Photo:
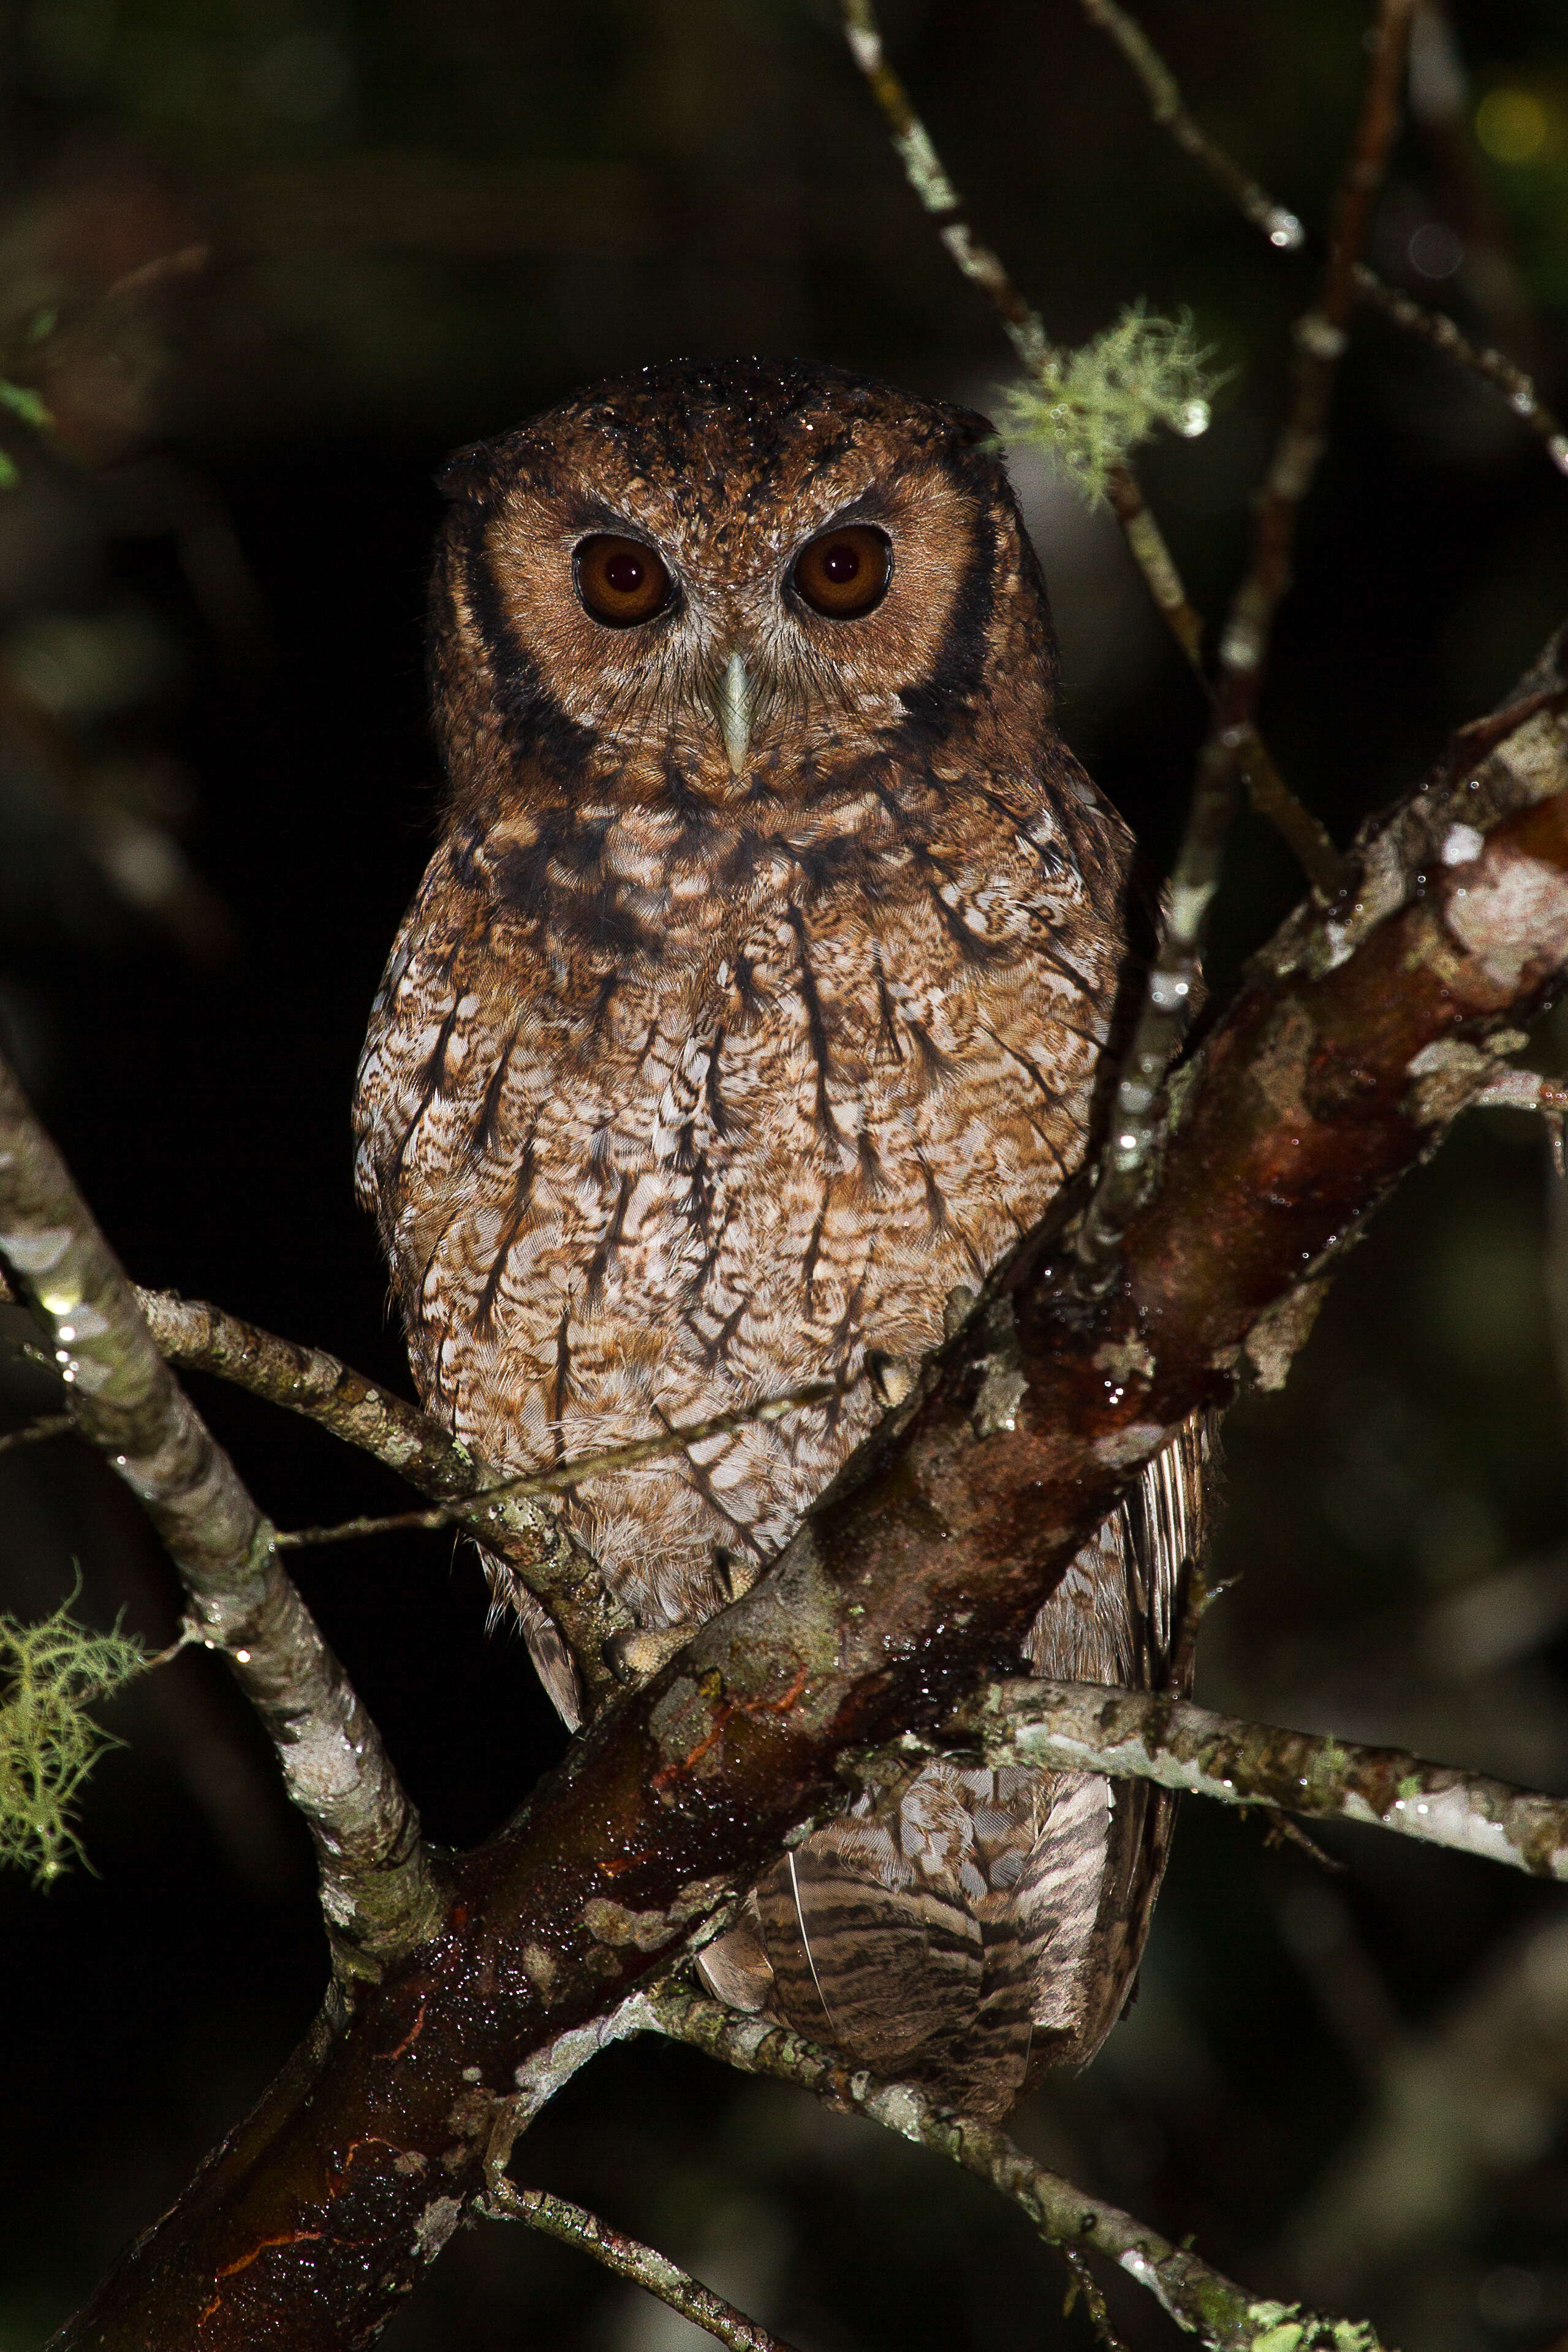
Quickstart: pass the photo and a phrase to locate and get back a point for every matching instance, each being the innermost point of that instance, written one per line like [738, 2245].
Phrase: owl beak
[734, 707]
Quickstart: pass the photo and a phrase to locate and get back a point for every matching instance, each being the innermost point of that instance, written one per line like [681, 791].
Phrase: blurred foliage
[264, 261]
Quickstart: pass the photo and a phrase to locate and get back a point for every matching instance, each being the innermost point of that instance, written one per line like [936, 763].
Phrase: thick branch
[1357, 1040]
[377, 1892]
[1145, 1736]
[1222, 2315]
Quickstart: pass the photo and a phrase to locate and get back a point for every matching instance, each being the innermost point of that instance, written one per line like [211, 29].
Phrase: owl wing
[984, 1924]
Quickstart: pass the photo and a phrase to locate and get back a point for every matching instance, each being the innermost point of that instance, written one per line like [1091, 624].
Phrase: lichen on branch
[1091, 407]
[51, 1674]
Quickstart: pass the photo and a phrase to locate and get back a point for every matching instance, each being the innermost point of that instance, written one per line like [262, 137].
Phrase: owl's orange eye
[846, 572]
[621, 581]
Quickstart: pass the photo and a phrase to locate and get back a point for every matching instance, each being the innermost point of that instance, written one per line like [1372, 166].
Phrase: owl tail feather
[983, 1924]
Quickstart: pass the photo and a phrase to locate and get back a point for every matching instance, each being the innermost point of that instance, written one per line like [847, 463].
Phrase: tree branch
[35, 1432]
[378, 1895]
[1170, 111]
[645, 2266]
[1171, 991]
[469, 1494]
[1284, 231]
[1026, 331]
[1148, 1736]
[1436, 328]
[563, 1477]
[1359, 1036]
[1222, 2315]
[498, 1511]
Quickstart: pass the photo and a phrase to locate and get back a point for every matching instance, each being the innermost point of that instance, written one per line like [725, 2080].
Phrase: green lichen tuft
[1091, 407]
[49, 1675]
[1286, 2328]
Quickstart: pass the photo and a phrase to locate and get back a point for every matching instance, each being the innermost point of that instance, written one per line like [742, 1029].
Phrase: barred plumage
[753, 1003]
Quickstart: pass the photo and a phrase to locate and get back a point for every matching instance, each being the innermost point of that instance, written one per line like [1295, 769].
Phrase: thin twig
[1026, 330]
[564, 1475]
[1222, 2315]
[928, 178]
[1171, 993]
[1148, 1736]
[628, 2258]
[1169, 109]
[53, 1424]
[1435, 327]
[1284, 231]
[501, 1513]
[377, 1894]
[1081, 2281]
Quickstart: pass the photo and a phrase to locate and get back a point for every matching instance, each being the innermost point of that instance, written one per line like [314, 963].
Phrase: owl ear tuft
[970, 429]
[467, 473]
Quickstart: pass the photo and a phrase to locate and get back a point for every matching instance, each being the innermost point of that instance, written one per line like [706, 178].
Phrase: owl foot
[632, 1657]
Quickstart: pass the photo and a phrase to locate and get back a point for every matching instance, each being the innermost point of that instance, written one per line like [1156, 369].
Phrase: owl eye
[846, 572]
[621, 581]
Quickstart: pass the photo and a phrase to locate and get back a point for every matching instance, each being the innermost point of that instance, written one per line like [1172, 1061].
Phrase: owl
[753, 1006]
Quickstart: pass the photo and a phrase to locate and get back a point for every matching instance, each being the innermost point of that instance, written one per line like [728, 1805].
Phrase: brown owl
[750, 1008]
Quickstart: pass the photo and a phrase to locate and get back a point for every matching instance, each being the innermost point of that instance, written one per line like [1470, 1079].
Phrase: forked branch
[1359, 1034]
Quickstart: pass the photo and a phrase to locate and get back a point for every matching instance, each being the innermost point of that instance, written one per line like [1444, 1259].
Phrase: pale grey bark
[1222, 2315]
[377, 1892]
[1146, 1736]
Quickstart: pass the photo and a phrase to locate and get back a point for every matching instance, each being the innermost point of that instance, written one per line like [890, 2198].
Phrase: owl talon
[632, 1657]
[892, 1377]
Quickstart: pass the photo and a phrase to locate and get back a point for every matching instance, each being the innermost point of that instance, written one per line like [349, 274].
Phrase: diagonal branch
[1172, 990]
[1171, 112]
[1435, 327]
[628, 2258]
[199, 1337]
[1222, 2315]
[1148, 1736]
[308, 1380]
[378, 1895]
[676, 1437]
[1357, 1039]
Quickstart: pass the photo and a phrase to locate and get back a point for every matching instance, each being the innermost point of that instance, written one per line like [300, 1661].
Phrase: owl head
[734, 582]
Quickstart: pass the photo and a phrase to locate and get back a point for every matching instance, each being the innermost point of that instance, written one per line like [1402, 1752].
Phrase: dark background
[422, 222]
